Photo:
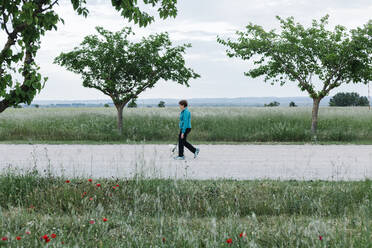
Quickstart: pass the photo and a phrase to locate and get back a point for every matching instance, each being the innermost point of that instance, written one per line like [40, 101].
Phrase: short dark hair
[183, 103]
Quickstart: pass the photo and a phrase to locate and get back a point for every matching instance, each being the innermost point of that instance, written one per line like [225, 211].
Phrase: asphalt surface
[284, 162]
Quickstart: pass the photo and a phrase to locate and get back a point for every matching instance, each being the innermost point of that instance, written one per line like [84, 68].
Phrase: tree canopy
[25, 22]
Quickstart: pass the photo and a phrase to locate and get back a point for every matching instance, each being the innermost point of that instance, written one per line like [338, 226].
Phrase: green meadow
[210, 124]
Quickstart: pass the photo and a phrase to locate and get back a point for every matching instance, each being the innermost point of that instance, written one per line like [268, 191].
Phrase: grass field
[182, 213]
[214, 124]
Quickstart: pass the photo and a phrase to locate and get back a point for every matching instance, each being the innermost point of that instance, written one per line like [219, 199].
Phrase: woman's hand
[182, 135]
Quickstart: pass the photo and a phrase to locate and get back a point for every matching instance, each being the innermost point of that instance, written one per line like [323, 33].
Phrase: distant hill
[241, 101]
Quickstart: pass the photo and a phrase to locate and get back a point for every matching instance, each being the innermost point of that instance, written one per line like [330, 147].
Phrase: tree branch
[50, 6]
[5, 103]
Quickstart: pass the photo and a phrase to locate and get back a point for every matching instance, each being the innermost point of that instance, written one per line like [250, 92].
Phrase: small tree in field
[132, 104]
[292, 104]
[23, 23]
[161, 104]
[304, 55]
[272, 104]
[122, 69]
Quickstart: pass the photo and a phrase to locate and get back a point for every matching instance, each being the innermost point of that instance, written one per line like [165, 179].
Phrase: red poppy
[18, 238]
[242, 234]
[229, 241]
[4, 238]
[98, 185]
[47, 240]
[91, 199]
[104, 219]
[90, 180]
[92, 222]
[114, 187]
[45, 237]
[320, 237]
[53, 235]
[117, 185]
[163, 239]
[67, 181]
[28, 232]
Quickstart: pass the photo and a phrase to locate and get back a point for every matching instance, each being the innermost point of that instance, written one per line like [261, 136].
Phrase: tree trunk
[119, 108]
[314, 121]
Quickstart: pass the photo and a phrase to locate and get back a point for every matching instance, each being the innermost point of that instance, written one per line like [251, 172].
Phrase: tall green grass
[235, 124]
[183, 213]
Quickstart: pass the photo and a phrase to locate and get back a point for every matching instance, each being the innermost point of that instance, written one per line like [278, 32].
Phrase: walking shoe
[197, 150]
[179, 158]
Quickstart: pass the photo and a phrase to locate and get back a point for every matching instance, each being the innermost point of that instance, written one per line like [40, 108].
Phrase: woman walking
[185, 129]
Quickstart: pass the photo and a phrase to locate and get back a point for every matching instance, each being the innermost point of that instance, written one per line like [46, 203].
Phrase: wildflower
[90, 198]
[92, 222]
[4, 238]
[18, 238]
[163, 239]
[114, 187]
[53, 235]
[45, 237]
[98, 185]
[90, 180]
[28, 232]
[242, 234]
[117, 185]
[229, 241]
[67, 181]
[320, 237]
[104, 219]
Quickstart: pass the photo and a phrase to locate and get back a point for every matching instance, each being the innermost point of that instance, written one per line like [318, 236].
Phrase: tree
[292, 104]
[25, 22]
[132, 104]
[122, 69]
[348, 99]
[363, 101]
[161, 104]
[305, 55]
[272, 104]
[106, 105]
[37, 106]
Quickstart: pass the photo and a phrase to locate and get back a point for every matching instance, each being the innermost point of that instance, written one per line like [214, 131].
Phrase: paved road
[303, 162]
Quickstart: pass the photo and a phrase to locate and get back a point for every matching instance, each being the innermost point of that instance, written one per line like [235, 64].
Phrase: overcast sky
[198, 22]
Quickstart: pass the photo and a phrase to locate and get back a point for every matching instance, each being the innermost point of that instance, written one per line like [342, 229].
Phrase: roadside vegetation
[38, 210]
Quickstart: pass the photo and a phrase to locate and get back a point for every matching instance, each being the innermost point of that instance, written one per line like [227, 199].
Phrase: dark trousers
[183, 142]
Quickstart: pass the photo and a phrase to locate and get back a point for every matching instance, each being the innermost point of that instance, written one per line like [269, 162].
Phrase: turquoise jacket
[185, 120]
